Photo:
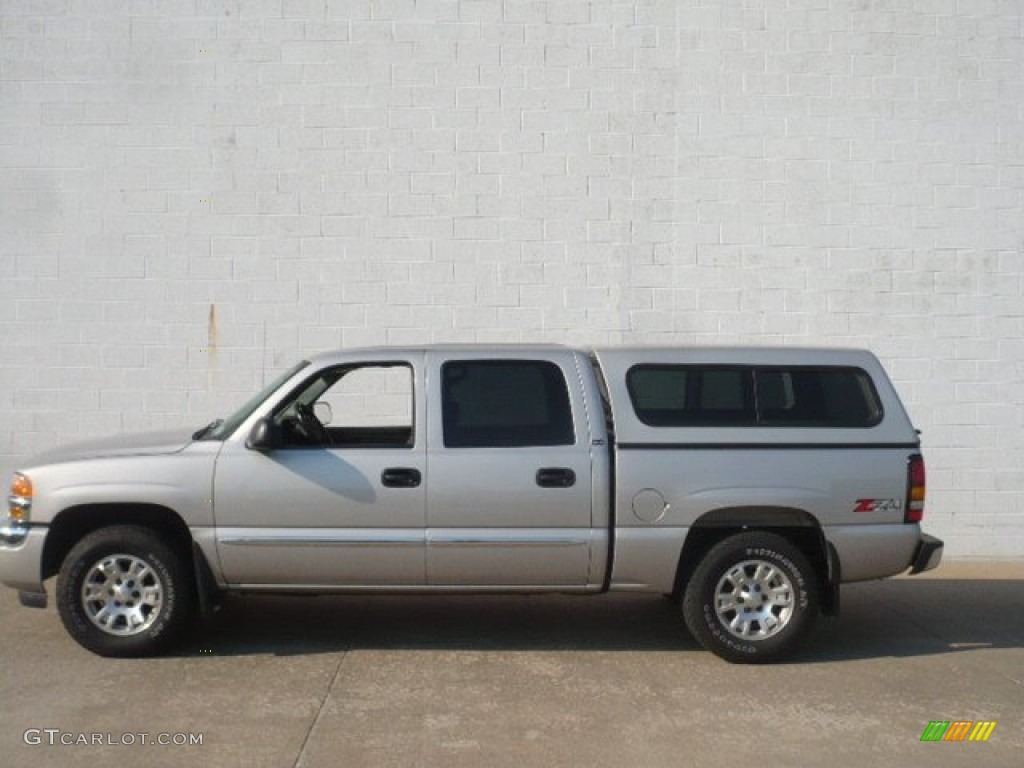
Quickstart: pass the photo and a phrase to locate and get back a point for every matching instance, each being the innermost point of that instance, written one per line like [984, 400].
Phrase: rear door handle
[400, 477]
[556, 477]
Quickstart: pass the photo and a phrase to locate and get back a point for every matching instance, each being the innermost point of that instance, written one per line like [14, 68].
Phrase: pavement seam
[894, 608]
[320, 709]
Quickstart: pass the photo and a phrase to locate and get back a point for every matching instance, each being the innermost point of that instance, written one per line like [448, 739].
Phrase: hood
[145, 444]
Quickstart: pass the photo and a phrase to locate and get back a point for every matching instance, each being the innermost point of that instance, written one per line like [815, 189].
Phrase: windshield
[230, 424]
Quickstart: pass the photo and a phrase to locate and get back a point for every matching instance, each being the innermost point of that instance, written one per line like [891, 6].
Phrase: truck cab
[471, 469]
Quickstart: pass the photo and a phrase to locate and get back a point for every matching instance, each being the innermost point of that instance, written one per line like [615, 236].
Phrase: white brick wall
[330, 172]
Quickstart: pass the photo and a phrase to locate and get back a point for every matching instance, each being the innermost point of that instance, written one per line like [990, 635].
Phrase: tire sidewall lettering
[715, 626]
[167, 609]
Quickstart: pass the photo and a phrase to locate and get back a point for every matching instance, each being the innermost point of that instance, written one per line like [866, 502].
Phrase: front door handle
[400, 477]
[556, 477]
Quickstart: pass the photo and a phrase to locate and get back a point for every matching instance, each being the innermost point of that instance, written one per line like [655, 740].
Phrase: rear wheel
[123, 592]
[752, 598]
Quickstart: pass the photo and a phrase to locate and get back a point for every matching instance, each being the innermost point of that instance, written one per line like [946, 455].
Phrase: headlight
[19, 503]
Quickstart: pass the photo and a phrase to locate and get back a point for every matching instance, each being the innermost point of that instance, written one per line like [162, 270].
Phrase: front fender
[182, 482]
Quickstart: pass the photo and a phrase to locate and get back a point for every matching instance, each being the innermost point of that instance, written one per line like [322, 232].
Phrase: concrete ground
[531, 681]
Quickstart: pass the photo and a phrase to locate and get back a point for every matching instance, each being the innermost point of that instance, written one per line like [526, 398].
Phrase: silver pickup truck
[745, 483]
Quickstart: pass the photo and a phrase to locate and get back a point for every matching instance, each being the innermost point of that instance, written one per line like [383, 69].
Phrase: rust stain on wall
[211, 331]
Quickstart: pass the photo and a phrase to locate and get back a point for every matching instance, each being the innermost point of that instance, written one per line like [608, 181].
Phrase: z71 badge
[878, 505]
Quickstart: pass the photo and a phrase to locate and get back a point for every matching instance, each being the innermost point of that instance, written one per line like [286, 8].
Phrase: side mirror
[264, 436]
[322, 411]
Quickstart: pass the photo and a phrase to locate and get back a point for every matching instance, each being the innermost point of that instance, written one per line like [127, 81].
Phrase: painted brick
[588, 172]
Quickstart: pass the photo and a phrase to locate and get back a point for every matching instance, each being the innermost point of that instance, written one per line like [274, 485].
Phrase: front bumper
[928, 554]
[21, 560]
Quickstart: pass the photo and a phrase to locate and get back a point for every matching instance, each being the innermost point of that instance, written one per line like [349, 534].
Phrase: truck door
[340, 500]
[509, 498]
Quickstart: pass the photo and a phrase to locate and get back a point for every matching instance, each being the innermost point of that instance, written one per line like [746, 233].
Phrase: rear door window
[505, 404]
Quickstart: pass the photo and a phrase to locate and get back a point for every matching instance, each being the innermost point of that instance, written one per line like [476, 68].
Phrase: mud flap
[32, 599]
[206, 585]
[830, 582]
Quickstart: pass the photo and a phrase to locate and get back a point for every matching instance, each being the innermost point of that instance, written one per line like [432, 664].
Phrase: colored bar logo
[958, 730]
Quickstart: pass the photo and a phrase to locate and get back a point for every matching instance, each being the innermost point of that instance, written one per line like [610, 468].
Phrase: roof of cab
[737, 354]
[448, 348]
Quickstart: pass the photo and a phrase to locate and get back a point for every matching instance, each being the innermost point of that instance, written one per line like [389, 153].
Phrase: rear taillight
[915, 489]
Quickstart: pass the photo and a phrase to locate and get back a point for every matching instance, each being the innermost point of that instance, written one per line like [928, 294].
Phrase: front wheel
[123, 592]
[752, 598]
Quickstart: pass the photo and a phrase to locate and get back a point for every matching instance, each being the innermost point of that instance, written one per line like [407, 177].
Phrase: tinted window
[505, 404]
[817, 397]
[691, 396]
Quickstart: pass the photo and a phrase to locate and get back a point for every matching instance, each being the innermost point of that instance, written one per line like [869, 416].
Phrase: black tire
[139, 596]
[727, 588]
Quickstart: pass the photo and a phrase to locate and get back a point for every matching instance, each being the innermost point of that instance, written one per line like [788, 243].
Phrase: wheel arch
[75, 522]
[796, 525]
